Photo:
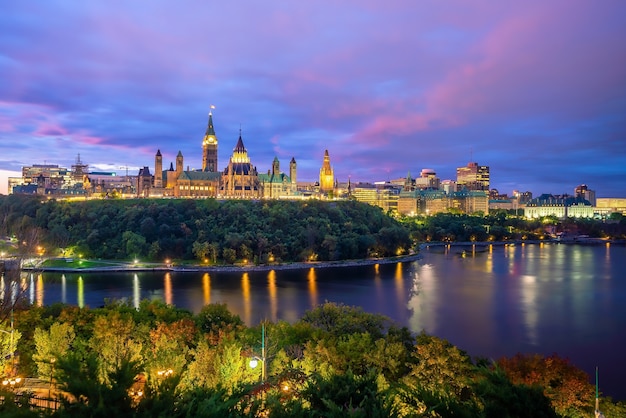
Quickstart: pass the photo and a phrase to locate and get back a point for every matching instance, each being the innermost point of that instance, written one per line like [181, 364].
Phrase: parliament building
[239, 179]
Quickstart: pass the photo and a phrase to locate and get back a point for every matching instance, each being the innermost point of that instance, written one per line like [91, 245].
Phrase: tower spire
[209, 146]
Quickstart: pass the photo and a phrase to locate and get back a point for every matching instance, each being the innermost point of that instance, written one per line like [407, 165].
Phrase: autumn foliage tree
[566, 386]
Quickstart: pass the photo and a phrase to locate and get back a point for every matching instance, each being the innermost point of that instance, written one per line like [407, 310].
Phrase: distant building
[448, 186]
[382, 194]
[522, 197]
[276, 184]
[209, 148]
[470, 201]
[559, 206]
[423, 202]
[431, 202]
[79, 171]
[427, 180]
[608, 205]
[327, 175]
[473, 177]
[108, 183]
[144, 182]
[584, 192]
[240, 178]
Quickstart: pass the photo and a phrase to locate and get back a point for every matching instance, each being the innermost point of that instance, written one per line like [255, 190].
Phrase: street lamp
[52, 361]
[254, 361]
[12, 382]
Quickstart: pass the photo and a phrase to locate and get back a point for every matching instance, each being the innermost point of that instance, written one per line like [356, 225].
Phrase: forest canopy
[214, 231]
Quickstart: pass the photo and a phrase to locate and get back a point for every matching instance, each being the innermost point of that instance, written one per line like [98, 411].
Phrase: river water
[490, 301]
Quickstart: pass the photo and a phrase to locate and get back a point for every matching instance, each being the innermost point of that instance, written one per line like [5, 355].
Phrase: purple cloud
[535, 90]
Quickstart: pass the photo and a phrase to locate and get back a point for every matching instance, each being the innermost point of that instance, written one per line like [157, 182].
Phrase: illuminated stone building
[327, 175]
[178, 182]
[240, 178]
[197, 184]
[473, 177]
[470, 201]
[276, 184]
[209, 148]
[559, 206]
[144, 182]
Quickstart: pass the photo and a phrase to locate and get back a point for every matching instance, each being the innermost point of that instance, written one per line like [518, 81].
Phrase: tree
[115, 340]
[216, 317]
[135, 244]
[89, 394]
[200, 250]
[229, 255]
[51, 345]
[566, 386]
[341, 320]
[439, 366]
[8, 346]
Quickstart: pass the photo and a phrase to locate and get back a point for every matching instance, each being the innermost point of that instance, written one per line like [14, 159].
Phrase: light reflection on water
[491, 301]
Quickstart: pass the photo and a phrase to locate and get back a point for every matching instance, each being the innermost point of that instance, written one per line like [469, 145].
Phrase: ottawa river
[490, 301]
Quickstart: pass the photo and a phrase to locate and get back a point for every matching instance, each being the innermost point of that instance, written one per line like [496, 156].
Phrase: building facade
[276, 184]
[327, 175]
[473, 177]
[209, 148]
[558, 206]
[240, 178]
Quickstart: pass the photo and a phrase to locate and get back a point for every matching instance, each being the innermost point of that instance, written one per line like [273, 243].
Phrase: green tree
[200, 250]
[135, 244]
[51, 345]
[439, 366]
[229, 255]
[116, 340]
[9, 339]
[341, 320]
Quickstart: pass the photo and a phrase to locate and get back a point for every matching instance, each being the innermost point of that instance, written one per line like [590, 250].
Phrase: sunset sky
[534, 89]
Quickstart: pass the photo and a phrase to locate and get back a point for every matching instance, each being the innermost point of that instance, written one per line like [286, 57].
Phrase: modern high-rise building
[209, 148]
[427, 180]
[583, 191]
[473, 177]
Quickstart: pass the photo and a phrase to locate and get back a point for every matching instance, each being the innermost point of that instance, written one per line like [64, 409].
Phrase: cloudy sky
[534, 89]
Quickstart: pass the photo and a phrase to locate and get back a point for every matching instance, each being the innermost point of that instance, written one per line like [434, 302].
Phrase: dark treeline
[502, 226]
[335, 361]
[215, 231]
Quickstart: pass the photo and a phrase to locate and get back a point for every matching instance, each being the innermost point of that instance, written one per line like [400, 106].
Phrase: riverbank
[121, 266]
[124, 267]
[575, 241]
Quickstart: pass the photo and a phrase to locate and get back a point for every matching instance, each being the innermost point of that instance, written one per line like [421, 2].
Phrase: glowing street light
[12, 382]
[165, 373]
[254, 361]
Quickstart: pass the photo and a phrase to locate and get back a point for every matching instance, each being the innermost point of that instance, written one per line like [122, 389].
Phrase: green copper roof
[209, 129]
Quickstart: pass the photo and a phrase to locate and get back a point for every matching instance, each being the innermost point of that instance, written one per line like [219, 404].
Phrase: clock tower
[209, 148]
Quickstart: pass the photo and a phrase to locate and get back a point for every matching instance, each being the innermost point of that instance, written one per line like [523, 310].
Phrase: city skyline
[535, 91]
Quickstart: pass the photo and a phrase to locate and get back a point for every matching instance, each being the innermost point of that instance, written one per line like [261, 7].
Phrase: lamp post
[255, 360]
[52, 361]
